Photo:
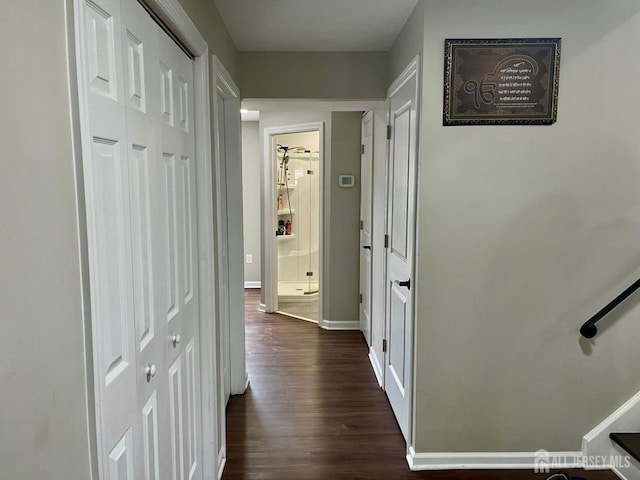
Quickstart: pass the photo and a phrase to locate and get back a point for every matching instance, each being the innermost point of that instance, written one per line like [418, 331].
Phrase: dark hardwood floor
[313, 410]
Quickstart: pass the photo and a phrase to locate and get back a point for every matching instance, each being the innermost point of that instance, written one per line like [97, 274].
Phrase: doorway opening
[293, 170]
[297, 159]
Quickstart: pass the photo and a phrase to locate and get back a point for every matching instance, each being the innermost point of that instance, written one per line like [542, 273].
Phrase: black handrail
[589, 329]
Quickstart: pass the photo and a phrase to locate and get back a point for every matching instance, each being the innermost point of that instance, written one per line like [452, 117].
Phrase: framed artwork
[501, 81]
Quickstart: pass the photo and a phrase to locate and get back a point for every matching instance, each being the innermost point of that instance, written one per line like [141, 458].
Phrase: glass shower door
[313, 247]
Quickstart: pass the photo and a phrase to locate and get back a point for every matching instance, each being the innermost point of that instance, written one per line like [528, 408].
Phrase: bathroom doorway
[294, 160]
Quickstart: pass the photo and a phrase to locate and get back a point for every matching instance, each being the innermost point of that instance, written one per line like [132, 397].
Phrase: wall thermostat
[347, 181]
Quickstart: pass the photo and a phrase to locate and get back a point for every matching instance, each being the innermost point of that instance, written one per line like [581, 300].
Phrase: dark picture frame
[510, 81]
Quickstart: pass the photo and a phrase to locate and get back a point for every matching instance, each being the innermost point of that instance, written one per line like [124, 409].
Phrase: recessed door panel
[166, 93]
[170, 232]
[190, 426]
[101, 46]
[187, 228]
[400, 186]
[183, 89]
[397, 335]
[150, 439]
[177, 420]
[142, 247]
[136, 83]
[112, 263]
[121, 465]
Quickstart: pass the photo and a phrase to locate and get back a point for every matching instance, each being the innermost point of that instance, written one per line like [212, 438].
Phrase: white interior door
[140, 192]
[366, 225]
[403, 152]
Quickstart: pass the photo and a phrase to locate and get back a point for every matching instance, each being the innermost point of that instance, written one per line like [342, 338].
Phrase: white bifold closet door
[140, 196]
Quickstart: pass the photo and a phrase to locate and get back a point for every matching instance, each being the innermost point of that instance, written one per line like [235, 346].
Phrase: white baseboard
[297, 317]
[375, 364]
[262, 308]
[340, 324]
[251, 284]
[491, 460]
[313, 297]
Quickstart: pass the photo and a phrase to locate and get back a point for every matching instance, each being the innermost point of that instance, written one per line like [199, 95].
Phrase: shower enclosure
[298, 216]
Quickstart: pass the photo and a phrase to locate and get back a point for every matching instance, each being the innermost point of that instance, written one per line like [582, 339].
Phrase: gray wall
[332, 75]
[43, 425]
[409, 42]
[524, 233]
[209, 23]
[251, 160]
[343, 262]
[341, 208]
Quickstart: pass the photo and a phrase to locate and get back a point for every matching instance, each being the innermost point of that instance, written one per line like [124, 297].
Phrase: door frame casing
[379, 229]
[270, 274]
[367, 117]
[224, 84]
[176, 19]
[410, 71]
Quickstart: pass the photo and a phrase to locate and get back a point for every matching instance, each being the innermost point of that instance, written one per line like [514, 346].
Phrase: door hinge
[388, 132]
[360, 298]
[309, 274]
[362, 149]
[384, 345]
[361, 224]
[386, 241]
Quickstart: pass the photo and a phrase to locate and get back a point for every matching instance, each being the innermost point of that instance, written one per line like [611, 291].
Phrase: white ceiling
[314, 25]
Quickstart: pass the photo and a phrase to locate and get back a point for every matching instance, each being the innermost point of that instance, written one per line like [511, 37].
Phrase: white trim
[269, 274]
[488, 460]
[340, 324]
[297, 317]
[375, 365]
[262, 308]
[597, 442]
[235, 314]
[306, 104]
[76, 95]
[252, 284]
[299, 298]
[172, 13]
[417, 65]
[206, 259]
[625, 419]
[406, 75]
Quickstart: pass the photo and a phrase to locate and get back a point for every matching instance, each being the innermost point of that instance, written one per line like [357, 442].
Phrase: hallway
[313, 410]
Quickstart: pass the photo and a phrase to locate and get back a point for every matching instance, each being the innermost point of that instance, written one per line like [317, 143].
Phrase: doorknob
[176, 339]
[406, 283]
[150, 371]
[367, 247]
